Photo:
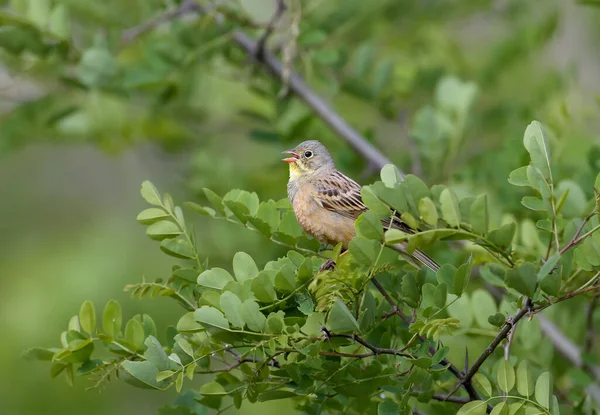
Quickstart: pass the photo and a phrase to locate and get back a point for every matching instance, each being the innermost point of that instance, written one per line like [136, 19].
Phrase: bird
[326, 202]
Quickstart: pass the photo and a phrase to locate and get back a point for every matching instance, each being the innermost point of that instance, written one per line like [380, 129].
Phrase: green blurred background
[69, 181]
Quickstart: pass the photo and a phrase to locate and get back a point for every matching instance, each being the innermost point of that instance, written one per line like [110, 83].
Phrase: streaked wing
[339, 193]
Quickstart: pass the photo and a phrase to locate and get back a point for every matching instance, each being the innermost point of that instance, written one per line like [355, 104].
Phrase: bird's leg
[329, 265]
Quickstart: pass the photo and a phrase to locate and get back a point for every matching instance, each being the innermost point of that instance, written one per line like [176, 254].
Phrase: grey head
[308, 158]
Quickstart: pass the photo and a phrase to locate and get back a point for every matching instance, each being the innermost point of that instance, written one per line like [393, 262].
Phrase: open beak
[292, 159]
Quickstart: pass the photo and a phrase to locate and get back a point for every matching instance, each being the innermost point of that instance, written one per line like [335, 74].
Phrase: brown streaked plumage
[327, 202]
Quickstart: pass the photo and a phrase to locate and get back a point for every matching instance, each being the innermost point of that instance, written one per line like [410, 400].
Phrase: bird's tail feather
[420, 256]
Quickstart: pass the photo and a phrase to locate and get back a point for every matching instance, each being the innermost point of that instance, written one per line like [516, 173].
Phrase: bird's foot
[328, 265]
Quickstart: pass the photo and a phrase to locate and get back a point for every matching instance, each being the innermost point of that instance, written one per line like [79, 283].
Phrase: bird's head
[308, 158]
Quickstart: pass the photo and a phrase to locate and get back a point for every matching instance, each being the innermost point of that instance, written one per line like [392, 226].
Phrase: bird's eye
[308, 154]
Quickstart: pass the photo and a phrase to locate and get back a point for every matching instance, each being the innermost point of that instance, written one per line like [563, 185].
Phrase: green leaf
[410, 291]
[275, 394]
[144, 372]
[112, 318]
[187, 324]
[525, 385]
[501, 408]
[371, 201]
[523, 279]
[178, 248]
[534, 203]
[263, 287]
[550, 282]
[254, 318]
[364, 250]
[483, 307]
[87, 317]
[165, 374]
[440, 295]
[537, 146]
[388, 407]
[368, 314]
[473, 408]
[156, 354]
[497, 320]
[362, 59]
[428, 211]
[311, 37]
[575, 201]
[506, 376]
[151, 215]
[449, 208]
[503, 236]
[483, 384]
[548, 266]
[285, 280]
[275, 323]
[215, 278]
[461, 309]
[518, 177]
[543, 389]
[37, 353]
[382, 76]
[185, 345]
[163, 229]
[368, 225]
[134, 333]
[462, 277]
[340, 319]
[215, 201]
[232, 308]
[446, 275]
[179, 382]
[390, 176]
[268, 213]
[202, 210]
[150, 193]
[597, 183]
[210, 318]
[212, 389]
[478, 215]
[244, 266]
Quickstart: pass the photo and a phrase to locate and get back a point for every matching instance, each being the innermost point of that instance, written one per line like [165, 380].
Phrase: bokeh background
[183, 107]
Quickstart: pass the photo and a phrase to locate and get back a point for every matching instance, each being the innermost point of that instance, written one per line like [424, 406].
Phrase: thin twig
[508, 326]
[187, 7]
[375, 351]
[444, 362]
[262, 41]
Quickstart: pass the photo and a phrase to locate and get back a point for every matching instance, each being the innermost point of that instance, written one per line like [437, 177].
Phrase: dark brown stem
[262, 41]
[541, 307]
[444, 362]
[375, 351]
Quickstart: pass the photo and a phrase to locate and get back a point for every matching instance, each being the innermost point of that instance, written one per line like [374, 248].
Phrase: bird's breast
[323, 224]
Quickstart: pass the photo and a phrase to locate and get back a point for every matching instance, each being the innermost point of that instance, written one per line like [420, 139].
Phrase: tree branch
[504, 333]
[256, 50]
[445, 362]
[375, 351]
[316, 103]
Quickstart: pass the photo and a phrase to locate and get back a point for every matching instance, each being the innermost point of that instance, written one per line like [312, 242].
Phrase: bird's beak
[292, 159]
